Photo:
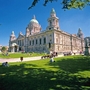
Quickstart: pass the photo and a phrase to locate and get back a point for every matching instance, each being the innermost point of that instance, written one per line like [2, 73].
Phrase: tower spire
[53, 10]
[12, 37]
[53, 13]
[12, 33]
[53, 21]
[80, 33]
[34, 17]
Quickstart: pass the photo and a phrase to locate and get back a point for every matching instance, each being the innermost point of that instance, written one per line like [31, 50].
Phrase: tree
[67, 4]
[4, 49]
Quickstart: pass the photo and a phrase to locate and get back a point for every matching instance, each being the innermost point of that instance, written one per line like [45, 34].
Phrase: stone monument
[87, 47]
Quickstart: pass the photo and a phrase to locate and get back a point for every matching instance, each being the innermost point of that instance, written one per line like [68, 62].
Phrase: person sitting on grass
[52, 60]
[7, 54]
[5, 64]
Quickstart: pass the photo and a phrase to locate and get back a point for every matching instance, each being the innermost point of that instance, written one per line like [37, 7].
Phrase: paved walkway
[24, 59]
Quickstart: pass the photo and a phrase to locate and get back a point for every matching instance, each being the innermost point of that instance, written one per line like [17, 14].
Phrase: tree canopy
[4, 49]
[66, 4]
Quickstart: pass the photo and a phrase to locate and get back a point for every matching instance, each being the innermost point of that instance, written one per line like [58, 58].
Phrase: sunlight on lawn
[66, 73]
[18, 55]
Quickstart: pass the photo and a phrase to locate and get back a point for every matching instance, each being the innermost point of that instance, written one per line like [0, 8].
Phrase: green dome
[53, 11]
[12, 32]
[33, 21]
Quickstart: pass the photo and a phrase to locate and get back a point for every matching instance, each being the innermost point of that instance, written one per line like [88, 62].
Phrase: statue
[87, 51]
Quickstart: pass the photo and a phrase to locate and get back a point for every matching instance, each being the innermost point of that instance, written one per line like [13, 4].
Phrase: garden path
[24, 59]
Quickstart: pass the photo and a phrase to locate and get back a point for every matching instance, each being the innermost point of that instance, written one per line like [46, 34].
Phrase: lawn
[18, 55]
[66, 73]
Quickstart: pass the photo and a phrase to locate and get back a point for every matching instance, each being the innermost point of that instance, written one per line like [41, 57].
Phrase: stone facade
[52, 39]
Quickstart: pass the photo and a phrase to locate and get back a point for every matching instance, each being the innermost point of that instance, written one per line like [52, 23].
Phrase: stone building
[52, 39]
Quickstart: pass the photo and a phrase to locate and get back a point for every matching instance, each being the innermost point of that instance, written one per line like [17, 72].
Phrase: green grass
[66, 73]
[18, 55]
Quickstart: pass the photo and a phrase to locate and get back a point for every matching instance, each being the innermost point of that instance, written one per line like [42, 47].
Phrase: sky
[15, 16]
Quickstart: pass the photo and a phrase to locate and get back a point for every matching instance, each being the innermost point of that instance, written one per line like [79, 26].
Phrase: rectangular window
[36, 41]
[44, 41]
[40, 40]
[49, 45]
[33, 42]
[22, 42]
[18, 42]
[30, 43]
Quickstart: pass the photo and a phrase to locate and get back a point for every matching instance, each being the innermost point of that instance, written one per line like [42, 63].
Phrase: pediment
[20, 36]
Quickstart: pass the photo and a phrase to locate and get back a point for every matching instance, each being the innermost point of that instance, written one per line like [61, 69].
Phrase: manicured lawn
[66, 73]
[18, 55]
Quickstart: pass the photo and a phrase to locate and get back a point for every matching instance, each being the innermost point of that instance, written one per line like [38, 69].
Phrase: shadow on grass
[20, 77]
[72, 65]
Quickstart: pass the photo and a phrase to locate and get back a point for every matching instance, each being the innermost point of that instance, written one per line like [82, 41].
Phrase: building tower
[33, 27]
[12, 37]
[80, 34]
[53, 21]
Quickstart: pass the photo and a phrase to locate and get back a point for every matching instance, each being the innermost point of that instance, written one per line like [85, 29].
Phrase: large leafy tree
[66, 4]
[4, 49]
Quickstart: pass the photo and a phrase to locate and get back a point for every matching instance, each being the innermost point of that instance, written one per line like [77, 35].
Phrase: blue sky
[15, 16]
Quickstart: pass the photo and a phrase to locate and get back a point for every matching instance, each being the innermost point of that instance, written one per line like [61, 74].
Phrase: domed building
[33, 27]
[52, 39]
